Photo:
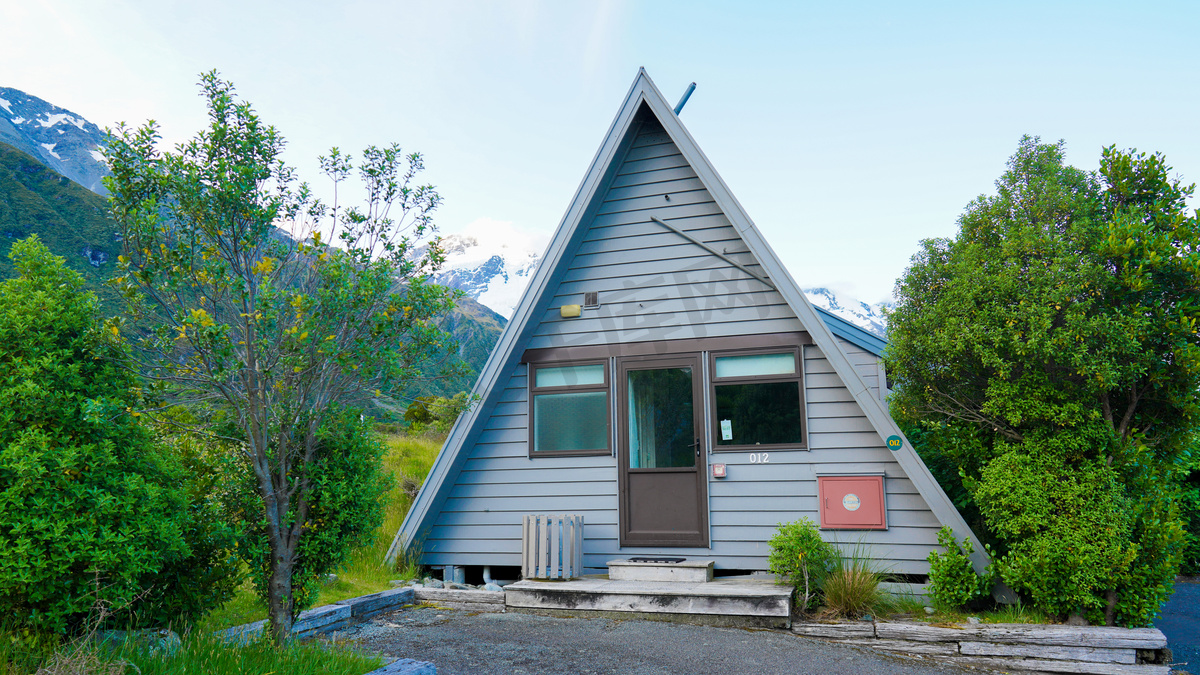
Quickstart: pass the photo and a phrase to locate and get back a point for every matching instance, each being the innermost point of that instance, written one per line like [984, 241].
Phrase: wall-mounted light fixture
[570, 311]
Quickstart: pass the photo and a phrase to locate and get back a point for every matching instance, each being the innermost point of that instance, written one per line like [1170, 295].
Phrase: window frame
[532, 391]
[797, 377]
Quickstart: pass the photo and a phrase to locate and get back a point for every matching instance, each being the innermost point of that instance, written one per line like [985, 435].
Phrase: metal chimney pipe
[686, 95]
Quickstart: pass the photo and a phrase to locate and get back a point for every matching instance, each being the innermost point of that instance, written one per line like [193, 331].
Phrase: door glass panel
[662, 429]
[752, 365]
[569, 422]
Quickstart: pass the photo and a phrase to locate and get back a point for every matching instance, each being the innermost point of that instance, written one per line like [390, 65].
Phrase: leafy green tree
[265, 332]
[91, 512]
[344, 511]
[1051, 350]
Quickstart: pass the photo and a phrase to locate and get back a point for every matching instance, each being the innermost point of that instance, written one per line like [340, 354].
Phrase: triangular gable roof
[506, 354]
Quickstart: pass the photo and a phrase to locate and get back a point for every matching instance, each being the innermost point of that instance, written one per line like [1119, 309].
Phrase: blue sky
[849, 131]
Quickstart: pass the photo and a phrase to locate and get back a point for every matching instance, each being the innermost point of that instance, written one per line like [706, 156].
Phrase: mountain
[42, 192]
[56, 137]
[496, 275]
[493, 265]
[71, 221]
[857, 312]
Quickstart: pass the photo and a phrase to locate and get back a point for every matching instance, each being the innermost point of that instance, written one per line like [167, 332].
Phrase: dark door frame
[700, 467]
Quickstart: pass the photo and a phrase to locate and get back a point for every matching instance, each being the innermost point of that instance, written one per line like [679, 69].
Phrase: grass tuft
[852, 590]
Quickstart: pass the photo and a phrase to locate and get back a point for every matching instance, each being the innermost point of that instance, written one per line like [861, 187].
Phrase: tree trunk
[1110, 611]
[279, 593]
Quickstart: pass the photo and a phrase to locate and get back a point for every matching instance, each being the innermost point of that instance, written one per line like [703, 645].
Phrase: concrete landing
[757, 602]
[687, 571]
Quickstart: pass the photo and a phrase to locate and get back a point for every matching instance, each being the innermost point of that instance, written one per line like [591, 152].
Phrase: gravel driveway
[505, 644]
[1180, 622]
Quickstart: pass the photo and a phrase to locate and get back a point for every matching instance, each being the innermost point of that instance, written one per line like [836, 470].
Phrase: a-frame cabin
[659, 339]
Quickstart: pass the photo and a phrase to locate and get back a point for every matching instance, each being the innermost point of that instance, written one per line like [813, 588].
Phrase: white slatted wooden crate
[552, 546]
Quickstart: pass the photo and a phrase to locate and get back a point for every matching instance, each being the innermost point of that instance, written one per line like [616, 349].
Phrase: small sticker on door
[851, 502]
[727, 430]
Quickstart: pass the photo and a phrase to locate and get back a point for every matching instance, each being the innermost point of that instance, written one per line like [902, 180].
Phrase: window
[569, 409]
[758, 400]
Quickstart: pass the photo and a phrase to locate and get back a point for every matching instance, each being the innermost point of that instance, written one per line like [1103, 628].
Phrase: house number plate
[760, 458]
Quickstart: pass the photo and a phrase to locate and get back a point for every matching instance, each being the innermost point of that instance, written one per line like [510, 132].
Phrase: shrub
[952, 579]
[799, 555]
[187, 587]
[1078, 542]
[89, 508]
[345, 507]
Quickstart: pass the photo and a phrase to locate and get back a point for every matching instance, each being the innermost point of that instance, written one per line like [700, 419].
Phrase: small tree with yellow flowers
[272, 314]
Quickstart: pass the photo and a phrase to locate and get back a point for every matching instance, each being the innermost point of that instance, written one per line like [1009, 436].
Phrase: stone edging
[1009, 646]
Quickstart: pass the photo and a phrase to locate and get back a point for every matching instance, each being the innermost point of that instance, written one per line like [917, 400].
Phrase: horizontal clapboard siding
[867, 364]
[480, 521]
[655, 285]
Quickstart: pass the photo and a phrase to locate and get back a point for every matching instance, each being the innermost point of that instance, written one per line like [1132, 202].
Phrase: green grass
[364, 572]
[199, 654]
[203, 654]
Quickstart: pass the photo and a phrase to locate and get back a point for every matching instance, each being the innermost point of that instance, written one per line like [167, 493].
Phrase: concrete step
[757, 601]
[688, 571]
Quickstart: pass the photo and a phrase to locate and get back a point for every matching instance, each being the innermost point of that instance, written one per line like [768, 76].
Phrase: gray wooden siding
[869, 366]
[480, 522]
[654, 284]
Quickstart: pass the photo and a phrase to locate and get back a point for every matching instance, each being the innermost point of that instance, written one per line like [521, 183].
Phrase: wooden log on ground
[1048, 666]
[905, 646]
[481, 607]
[857, 629]
[1089, 654]
[366, 606]
[320, 620]
[1030, 634]
[451, 595]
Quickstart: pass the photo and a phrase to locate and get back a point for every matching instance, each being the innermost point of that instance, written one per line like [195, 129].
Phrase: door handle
[696, 445]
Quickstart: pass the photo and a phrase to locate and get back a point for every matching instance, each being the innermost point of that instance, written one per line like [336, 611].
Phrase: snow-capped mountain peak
[492, 261]
[56, 137]
[857, 312]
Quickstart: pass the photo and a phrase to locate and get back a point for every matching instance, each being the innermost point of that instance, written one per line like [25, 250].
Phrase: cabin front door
[663, 485]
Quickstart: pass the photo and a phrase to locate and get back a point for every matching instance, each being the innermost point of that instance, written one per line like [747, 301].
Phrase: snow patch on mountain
[50, 149]
[54, 118]
[7, 105]
[492, 261]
